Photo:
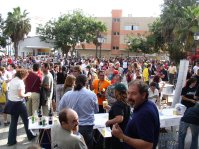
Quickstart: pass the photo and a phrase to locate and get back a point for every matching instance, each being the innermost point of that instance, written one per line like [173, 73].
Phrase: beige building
[115, 41]
[116, 38]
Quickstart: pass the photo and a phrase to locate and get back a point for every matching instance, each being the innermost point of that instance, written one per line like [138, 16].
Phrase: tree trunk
[65, 50]
[73, 51]
[16, 49]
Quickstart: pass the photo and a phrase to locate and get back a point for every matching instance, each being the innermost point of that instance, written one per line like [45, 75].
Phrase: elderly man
[84, 102]
[63, 135]
[142, 130]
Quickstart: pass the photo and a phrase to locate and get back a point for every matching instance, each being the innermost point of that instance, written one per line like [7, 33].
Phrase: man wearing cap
[142, 130]
[110, 92]
[119, 113]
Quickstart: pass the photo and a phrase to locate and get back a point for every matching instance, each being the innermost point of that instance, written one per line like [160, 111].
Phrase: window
[42, 53]
[132, 27]
[116, 33]
[113, 47]
[116, 19]
[117, 48]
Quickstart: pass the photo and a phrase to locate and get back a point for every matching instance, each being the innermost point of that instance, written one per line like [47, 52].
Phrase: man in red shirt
[33, 83]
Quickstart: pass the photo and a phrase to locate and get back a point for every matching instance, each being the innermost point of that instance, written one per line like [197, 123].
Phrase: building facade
[115, 41]
[34, 46]
[116, 38]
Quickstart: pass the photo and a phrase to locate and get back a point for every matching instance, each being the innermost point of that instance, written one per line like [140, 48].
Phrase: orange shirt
[102, 85]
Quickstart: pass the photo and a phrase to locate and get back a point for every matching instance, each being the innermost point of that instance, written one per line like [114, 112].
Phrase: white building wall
[29, 44]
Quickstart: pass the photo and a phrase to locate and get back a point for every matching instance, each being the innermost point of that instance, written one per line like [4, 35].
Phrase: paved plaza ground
[22, 139]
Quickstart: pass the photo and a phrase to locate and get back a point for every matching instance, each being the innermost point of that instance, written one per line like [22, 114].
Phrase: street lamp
[196, 39]
[78, 44]
[100, 40]
[9, 47]
[129, 43]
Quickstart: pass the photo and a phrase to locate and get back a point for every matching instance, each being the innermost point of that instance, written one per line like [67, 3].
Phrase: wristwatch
[121, 140]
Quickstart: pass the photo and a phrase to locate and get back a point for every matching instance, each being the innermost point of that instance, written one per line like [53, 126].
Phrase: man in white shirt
[172, 72]
[84, 65]
[117, 67]
[195, 68]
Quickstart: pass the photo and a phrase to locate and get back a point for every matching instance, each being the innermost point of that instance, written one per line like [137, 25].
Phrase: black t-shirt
[153, 69]
[191, 115]
[197, 77]
[120, 108]
[61, 77]
[53, 73]
[189, 93]
[197, 91]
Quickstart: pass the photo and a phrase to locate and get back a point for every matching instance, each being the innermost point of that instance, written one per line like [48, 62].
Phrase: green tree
[188, 27]
[69, 29]
[17, 25]
[138, 44]
[174, 30]
[2, 37]
[155, 38]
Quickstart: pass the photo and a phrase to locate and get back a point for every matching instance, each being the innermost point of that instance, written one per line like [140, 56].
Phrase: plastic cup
[105, 103]
[174, 112]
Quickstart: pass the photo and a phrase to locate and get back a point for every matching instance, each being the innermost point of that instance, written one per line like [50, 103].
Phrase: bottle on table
[50, 117]
[34, 117]
[40, 116]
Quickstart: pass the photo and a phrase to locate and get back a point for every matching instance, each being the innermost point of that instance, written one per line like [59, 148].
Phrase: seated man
[65, 135]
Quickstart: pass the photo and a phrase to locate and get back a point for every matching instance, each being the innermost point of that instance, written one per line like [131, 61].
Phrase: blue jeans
[22, 112]
[87, 133]
[183, 132]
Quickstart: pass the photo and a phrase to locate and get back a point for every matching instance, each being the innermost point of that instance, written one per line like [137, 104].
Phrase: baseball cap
[88, 66]
[120, 87]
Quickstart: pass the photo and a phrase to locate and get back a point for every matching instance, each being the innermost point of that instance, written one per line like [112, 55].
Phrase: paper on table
[105, 131]
[100, 120]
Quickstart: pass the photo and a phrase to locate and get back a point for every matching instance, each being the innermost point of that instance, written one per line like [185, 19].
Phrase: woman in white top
[16, 95]
[153, 93]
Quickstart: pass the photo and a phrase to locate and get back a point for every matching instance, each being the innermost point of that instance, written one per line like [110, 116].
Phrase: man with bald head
[64, 135]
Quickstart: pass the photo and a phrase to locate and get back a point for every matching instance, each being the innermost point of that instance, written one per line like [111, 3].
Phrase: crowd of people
[77, 89]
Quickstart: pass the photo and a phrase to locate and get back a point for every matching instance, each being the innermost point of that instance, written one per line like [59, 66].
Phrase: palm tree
[188, 26]
[17, 25]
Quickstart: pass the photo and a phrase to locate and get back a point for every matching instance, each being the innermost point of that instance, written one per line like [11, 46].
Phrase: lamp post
[8, 46]
[100, 40]
[196, 38]
[76, 52]
[129, 43]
